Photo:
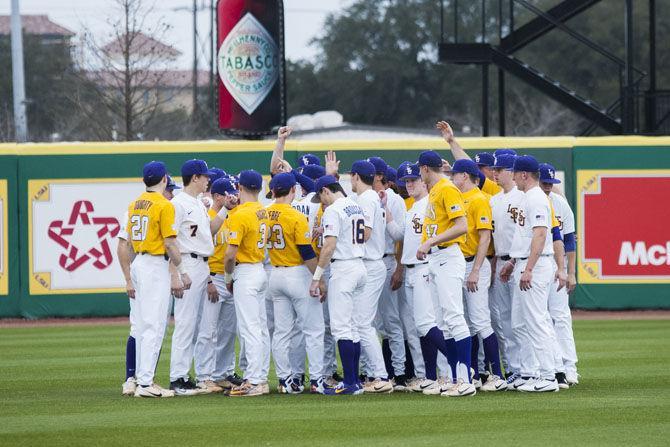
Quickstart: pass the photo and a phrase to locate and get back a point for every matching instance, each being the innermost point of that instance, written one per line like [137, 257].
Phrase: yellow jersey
[409, 202]
[150, 222]
[554, 221]
[478, 212]
[287, 228]
[445, 203]
[220, 244]
[247, 230]
[490, 187]
[317, 243]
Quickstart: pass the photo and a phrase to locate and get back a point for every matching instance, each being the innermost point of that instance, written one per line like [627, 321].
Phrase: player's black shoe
[562, 381]
[183, 387]
[400, 383]
[337, 377]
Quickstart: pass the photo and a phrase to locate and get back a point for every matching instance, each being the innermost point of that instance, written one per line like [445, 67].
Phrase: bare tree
[534, 114]
[121, 79]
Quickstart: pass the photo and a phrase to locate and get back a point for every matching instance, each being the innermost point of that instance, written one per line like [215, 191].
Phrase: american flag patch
[328, 227]
[455, 208]
[484, 219]
[232, 235]
[539, 217]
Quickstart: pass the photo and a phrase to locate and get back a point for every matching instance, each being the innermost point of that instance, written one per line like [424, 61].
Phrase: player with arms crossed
[343, 248]
[150, 227]
[126, 256]
[532, 273]
[246, 279]
[294, 262]
[444, 229]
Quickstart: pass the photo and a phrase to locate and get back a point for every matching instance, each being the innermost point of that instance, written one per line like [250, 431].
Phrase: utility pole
[19, 88]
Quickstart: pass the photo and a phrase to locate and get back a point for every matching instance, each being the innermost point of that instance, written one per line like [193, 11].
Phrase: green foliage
[62, 386]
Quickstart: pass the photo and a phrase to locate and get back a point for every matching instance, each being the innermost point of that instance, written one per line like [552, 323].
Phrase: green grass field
[61, 386]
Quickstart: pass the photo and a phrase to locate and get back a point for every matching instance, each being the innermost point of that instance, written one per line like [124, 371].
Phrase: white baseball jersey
[345, 220]
[123, 234]
[396, 205]
[192, 225]
[410, 228]
[505, 211]
[375, 218]
[308, 208]
[533, 212]
[563, 213]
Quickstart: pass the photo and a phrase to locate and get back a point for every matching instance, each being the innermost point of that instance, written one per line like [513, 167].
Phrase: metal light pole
[20, 124]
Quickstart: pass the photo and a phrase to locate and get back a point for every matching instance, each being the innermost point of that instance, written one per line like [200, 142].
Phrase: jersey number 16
[357, 231]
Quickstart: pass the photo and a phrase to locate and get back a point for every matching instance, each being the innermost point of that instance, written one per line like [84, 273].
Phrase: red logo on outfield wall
[625, 226]
[81, 220]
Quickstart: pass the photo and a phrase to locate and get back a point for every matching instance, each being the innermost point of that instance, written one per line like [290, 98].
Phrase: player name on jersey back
[344, 220]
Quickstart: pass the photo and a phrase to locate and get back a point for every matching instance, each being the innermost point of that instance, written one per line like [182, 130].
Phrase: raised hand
[332, 163]
[446, 130]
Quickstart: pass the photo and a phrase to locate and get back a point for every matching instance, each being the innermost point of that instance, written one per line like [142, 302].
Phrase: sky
[303, 21]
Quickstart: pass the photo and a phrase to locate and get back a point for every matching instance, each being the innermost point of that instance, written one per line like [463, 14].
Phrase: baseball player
[200, 303]
[444, 229]
[486, 183]
[362, 179]
[246, 279]
[126, 255]
[343, 248]
[224, 195]
[388, 313]
[465, 176]
[152, 236]
[420, 302]
[559, 308]
[532, 270]
[504, 209]
[294, 262]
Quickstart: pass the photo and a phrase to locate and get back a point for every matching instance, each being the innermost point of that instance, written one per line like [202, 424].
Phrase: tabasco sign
[623, 226]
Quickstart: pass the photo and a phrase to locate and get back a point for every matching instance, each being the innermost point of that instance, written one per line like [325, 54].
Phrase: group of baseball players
[434, 278]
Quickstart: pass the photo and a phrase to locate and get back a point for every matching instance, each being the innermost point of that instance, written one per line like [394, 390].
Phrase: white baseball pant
[447, 273]
[371, 348]
[477, 313]
[187, 314]
[226, 331]
[499, 304]
[411, 334]
[502, 293]
[249, 287]
[329, 343]
[151, 277]
[559, 311]
[345, 287]
[538, 336]
[389, 315]
[295, 308]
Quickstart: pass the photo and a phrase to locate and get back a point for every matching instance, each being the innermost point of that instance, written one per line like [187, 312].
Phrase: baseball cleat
[414, 384]
[183, 387]
[230, 381]
[562, 381]
[247, 389]
[318, 386]
[572, 377]
[337, 378]
[378, 386]
[153, 391]
[477, 383]
[129, 386]
[344, 389]
[332, 381]
[438, 386]
[425, 384]
[494, 383]
[460, 389]
[284, 386]
[400, 383]
[519, 381]
[209, 386]
[539, 386]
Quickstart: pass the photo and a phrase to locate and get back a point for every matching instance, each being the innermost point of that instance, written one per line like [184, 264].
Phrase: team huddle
[428, 278]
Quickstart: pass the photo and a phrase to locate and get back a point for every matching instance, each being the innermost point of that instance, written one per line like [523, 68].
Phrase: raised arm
[278, 153]
[448, 135]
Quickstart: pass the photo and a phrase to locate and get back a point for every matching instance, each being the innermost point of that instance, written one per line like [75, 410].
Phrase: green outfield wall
[62, 205]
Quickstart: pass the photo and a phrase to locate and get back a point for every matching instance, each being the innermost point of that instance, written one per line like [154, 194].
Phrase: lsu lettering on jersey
[534, 212]
[413, 229]
[192, 224]
[287, 228]
[220, 245]
[150, 222]
[344, 219]
[375, 219]
[445, 203]
[505, 211]
[247, 229]
[478, 213]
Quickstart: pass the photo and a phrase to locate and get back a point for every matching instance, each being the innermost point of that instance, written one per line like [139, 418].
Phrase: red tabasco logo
[64, 234]
[624, 226]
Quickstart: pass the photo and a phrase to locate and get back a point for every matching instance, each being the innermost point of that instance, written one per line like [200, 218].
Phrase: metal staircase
[608, 117]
